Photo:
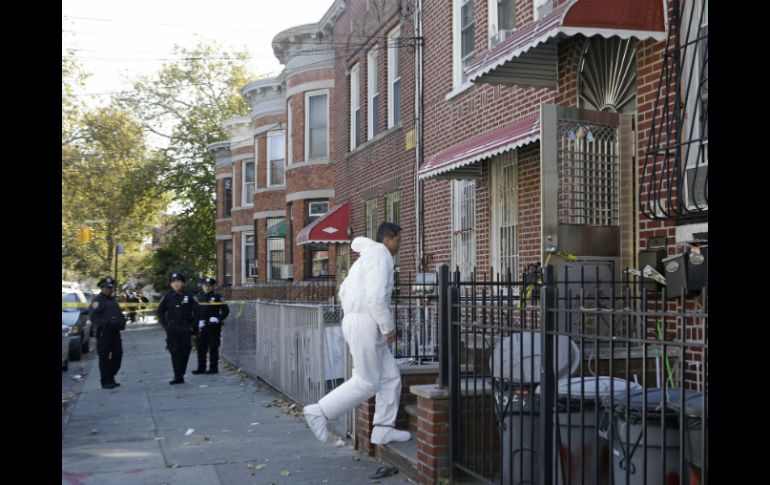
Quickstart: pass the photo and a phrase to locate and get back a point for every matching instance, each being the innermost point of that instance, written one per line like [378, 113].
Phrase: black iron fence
[584, 381]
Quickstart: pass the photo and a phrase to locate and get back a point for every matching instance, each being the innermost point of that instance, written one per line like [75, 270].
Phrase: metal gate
[575, 386]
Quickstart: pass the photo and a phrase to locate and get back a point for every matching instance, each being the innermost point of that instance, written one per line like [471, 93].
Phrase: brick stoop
[402, 456]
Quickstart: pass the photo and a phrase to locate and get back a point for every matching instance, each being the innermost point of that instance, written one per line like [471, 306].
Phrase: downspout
[418, 107]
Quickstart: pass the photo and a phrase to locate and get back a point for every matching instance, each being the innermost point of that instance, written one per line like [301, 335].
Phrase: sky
[117, 40]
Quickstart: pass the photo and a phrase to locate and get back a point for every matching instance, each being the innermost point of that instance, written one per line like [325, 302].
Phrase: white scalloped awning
[529, 56]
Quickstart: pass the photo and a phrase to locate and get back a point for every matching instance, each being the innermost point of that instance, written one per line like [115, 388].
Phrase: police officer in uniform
[176, 313]
[108, 319]
[210, 319]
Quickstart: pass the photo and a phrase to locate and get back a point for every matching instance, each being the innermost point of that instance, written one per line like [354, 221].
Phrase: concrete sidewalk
[214, 429]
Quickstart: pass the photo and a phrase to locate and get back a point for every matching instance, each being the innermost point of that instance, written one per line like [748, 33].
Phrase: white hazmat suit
[365, 297]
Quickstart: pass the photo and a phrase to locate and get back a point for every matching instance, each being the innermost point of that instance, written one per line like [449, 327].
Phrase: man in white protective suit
[368, 328]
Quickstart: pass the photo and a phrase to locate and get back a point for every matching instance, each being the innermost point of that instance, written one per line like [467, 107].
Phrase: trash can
[581, 443]
[629, 439]
[693, 433]
[515, 364]
[517, 410]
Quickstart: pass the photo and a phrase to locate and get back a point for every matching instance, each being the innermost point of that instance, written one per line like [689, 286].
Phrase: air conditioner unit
[287, 271]
[500, 36]
[253, 269]
[696, 183]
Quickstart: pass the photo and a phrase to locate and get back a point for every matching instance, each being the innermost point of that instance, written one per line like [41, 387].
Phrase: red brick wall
[382, 164]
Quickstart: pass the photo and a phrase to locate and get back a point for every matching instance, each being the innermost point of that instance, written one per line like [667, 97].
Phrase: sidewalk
[140, 432]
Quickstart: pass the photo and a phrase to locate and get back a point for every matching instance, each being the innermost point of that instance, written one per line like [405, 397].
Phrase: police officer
[108, 319]
[210, 317]
[176, 313]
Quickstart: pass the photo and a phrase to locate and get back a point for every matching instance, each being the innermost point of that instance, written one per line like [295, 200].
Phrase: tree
[184, 106]
[109, 177]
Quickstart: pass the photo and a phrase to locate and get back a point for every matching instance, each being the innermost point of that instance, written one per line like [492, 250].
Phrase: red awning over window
[332, 227]
[529, 55]
[462, 159]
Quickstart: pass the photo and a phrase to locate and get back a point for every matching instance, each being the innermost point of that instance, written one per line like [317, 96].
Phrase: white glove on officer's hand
[214, 320]
[201, 323]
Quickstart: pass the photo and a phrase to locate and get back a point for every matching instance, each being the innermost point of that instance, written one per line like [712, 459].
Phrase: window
[372, 94]
[394, 78]
[393, 207]
[542, 8]
[228, 196]
[276, 147]
[319, 261]
[464, 22]
[275, 250]
[290, 155]
[316, 209]
[464, 226]
[505, 215]
[343, 262]
[370, 219]
[228, 262]
[502, 20]
[248, 183]
[355, 106]
[317, 123]
[249, 268]
[393, 214]
[69, 298]
[694, 86]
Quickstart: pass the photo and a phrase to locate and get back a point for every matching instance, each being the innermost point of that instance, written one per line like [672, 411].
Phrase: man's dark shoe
[199, 371]
[117, 384]
[176, 381]
[109, 385]
[212, 371]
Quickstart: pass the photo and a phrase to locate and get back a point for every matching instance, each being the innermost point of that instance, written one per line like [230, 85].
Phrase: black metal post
[547, 378]
[444, 311]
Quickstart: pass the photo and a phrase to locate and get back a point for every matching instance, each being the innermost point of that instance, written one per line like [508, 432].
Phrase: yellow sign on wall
[410, 139]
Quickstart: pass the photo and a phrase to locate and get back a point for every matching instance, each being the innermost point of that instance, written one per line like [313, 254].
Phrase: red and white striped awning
[461, 160]
[529, 55]
[332, 227]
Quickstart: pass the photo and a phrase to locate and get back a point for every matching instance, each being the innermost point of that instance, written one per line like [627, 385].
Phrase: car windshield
[69, 298]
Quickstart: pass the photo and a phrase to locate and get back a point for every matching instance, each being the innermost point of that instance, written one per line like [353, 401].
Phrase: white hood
[361, 244]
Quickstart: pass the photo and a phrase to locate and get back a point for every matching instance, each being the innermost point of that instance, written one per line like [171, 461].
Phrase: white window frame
[458, 71]
[232, 260]
[273, 134]
[536, 4]
[225, 215]
[308, 95]
[372, 91]
[244, 201]
[463, 208]
[312, 213]
[393, 58]
[505, 205]
[694, 112]
[289, 151]
[355, 105]
[244, 267]
[493, 23]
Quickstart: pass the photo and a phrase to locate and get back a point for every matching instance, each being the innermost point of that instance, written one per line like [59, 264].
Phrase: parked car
[65, 346]
[76, 318]
[89, 298]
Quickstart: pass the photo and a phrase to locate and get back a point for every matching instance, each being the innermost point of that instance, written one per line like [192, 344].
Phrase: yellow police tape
[133, 305]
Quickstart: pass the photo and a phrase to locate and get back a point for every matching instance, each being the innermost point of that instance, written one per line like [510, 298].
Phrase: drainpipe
[418, 107]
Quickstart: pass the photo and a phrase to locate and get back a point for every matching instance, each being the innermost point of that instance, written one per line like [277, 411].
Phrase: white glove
[201, 323]
[214, 320]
